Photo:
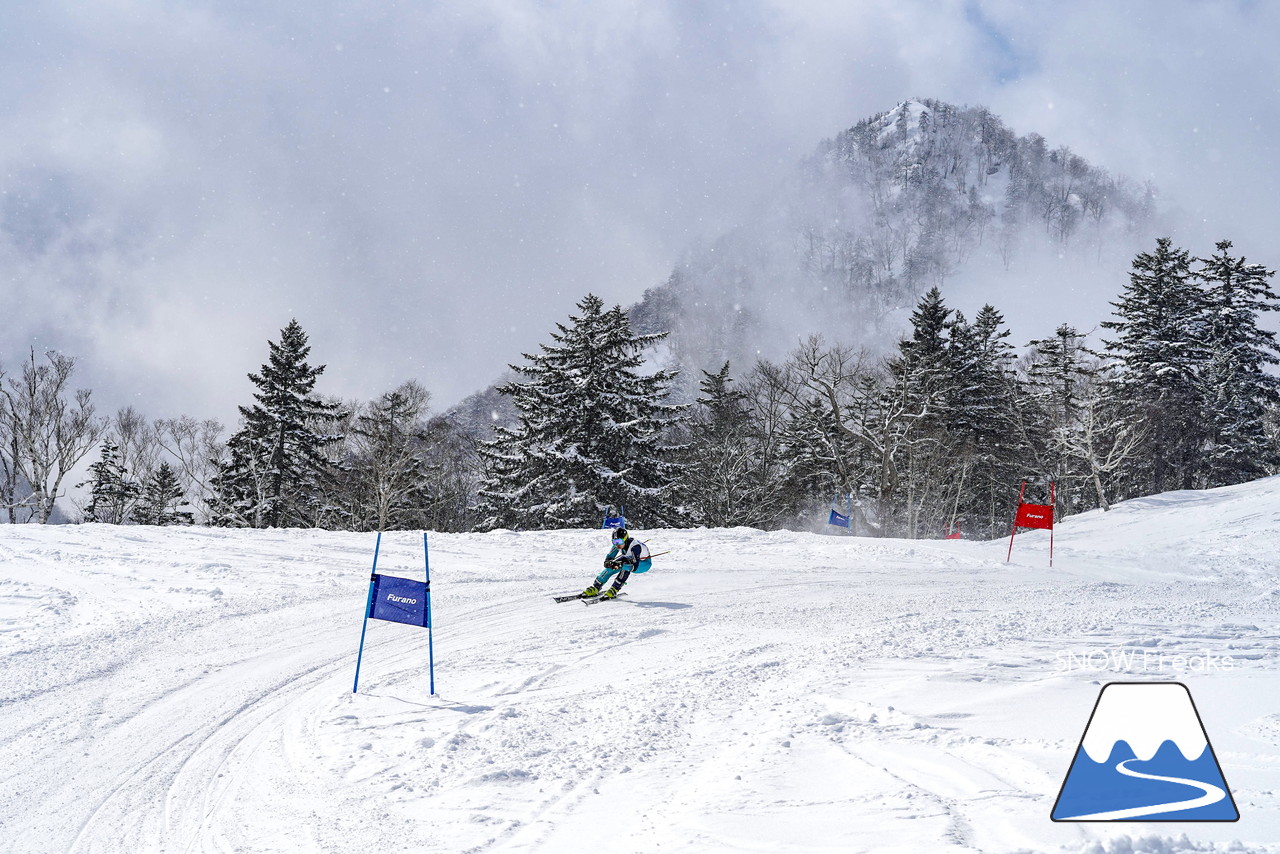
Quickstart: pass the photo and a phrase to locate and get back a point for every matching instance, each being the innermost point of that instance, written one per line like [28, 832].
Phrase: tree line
[932, 438]
[296, 459]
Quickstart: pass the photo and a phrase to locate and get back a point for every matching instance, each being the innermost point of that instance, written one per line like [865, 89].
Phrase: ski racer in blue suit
[626, 556]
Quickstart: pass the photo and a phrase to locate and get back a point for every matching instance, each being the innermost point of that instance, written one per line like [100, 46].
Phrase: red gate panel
[1034, 516]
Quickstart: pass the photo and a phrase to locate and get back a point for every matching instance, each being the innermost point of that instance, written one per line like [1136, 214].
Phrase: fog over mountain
[924, 194]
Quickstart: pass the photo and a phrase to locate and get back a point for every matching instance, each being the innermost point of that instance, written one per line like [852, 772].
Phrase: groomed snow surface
[189, 690]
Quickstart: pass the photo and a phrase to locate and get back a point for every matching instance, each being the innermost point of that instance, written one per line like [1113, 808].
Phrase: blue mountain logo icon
[1145, 756]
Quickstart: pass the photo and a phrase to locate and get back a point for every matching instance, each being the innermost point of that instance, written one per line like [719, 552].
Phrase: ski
[569, 598]
[596, 599]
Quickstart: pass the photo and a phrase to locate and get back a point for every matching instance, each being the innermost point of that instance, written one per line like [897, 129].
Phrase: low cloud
[429, 189]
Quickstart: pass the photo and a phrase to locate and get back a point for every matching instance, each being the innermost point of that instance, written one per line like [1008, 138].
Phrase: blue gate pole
[367, 605]
[431, 650]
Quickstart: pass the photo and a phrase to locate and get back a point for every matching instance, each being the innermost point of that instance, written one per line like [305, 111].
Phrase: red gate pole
[1021, 490]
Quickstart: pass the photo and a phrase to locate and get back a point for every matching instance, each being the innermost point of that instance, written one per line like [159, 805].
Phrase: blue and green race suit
[631, 556]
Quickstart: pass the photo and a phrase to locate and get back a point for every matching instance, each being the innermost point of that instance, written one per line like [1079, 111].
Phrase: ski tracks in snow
[800, 694]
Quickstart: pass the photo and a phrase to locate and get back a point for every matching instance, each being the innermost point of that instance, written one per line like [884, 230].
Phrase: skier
[626, 556]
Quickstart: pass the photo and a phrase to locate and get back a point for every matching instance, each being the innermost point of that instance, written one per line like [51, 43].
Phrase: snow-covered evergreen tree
[276, 468]
[921, 391]
[725, 410]
[1059, 367]
[980, 376]
[1060, 374]
[592, 431]
[1235, 384]
[161, 499]
[926, 349]
[949, 419]
[1159, 347]
[112, 492]
[982, 399]
[726, 479]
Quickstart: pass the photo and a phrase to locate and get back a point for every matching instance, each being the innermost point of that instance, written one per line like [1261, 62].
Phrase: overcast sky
[429, 187]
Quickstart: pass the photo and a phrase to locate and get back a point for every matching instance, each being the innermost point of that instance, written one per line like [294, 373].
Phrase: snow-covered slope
[190, 689]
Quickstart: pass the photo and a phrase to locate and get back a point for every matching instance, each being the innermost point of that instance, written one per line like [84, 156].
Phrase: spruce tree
[1234, 384]
[1061, 376]
[112, 493]
[161, 499]
[922, 371]
[1159, 347]
[726, 411]
[919, 440]
[983, 396]
[929, 323]
[966, 378]
[922, 395]
[725, 480]
[591, 432]
[1060, 367]
[276, 468]
[952, 410]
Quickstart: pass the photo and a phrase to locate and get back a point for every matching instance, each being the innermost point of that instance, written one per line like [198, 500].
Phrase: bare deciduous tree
[196, 446]
[10, 479]
[387, 440]
[138, 441]
[1102, 440]
[50, 429]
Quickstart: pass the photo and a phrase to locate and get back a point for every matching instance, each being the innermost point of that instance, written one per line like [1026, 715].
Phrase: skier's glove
[611, 564]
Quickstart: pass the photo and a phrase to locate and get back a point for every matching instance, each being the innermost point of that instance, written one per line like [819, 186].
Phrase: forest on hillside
[933, 438]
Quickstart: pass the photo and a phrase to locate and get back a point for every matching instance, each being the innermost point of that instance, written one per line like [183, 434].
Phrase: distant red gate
[1033, 516]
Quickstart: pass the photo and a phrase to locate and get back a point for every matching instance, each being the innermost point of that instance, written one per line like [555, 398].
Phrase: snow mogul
[627, 556]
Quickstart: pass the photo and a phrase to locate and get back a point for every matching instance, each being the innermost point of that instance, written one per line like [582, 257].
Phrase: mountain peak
[902, 201]
[921, 195]
[905, 123]
[911, 110]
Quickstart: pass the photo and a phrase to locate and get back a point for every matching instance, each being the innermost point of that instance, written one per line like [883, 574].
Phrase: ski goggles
[619, 542]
